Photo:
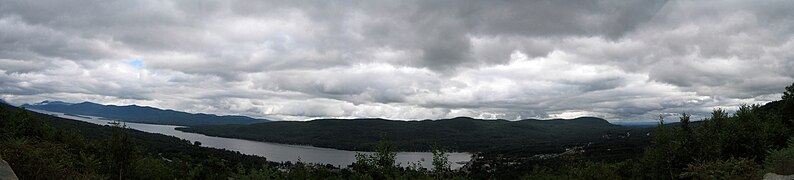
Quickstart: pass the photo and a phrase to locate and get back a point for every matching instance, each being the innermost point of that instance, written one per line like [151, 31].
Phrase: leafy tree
[440, 160]
[380, 164]
[385, 154]
[120, 151]
[364, 163]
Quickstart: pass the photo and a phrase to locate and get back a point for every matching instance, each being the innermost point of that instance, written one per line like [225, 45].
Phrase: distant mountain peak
[48, 102]
[587, 119]
[463, 118]
[89, 102]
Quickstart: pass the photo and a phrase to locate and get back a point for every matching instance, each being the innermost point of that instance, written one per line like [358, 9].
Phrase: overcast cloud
[297, 60]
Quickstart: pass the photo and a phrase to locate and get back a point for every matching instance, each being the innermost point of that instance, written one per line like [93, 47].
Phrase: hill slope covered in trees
[458, 134]
[141, 114]
[40, 146]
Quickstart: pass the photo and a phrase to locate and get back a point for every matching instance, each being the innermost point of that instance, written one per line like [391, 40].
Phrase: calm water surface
[274, 151]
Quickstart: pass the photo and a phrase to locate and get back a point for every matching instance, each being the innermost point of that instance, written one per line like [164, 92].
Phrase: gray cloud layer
[292, 60]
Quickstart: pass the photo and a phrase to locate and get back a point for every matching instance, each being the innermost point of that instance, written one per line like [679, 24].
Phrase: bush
[781, 161]
[741, 168]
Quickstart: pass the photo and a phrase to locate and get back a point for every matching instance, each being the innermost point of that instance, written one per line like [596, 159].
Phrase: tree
[380, 164]
[788, 95]
[661, 120]
[684, 119]
[788, 106]
[440, 160]
[671, 150]
[719, 116]
[120, 150]
[385, 153]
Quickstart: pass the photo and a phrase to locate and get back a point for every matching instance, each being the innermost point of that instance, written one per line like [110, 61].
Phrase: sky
[409, 60]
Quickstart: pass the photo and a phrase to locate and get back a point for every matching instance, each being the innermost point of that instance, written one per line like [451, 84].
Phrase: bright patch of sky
[137, 63]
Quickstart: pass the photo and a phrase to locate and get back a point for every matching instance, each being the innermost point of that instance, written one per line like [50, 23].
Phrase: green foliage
[119, 151]
[749, 133]
[440, 160]
[594, 171]
[684, 120]
[36, 149]
[587, 171]
[89, 164]
[34, 159]
[456, 134]
[781, 161]
[266, 172]
[787, 109]
[151, 168]
[721, 147]
[380, 164]
[664, 158]
[732, 168]
[385, 153]
[788, 95]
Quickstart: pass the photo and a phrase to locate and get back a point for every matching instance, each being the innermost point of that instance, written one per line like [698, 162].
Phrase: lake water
[274, 151]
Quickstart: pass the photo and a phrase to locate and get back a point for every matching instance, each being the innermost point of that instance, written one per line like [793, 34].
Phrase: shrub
[741, 168]
[781, 161]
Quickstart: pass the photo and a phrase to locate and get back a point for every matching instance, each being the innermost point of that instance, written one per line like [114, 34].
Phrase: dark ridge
[141, 114]
[459, 133]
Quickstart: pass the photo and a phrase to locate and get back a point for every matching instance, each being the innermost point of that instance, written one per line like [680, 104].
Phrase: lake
[274, 151]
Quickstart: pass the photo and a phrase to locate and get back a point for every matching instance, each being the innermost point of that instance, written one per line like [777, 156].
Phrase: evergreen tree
[120, 151]
[787, 111]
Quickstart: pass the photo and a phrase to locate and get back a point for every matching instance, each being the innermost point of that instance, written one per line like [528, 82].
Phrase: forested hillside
[755, 140]
[141, 114]
[39, 146]
[458, 134]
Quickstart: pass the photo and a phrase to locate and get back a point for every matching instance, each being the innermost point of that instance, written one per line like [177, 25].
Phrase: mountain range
[457, 134]
[141, 114]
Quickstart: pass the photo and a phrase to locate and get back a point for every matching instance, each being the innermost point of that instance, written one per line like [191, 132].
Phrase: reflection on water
[273, 151]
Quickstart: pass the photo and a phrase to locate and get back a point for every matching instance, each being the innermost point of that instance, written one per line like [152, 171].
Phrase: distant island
[141, 114]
